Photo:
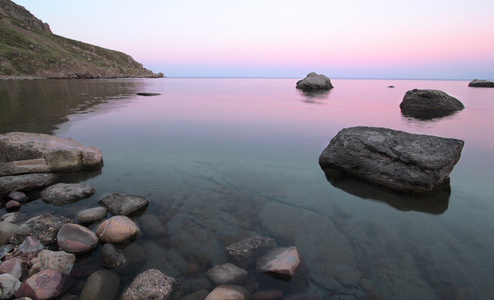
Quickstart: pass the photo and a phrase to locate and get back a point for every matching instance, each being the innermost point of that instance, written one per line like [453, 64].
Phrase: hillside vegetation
[29, 48]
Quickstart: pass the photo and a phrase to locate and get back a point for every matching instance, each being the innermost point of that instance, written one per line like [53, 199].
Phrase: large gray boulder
[481, 83]
[395, 159]
[426, 100]
[314, 81]
[60, 155]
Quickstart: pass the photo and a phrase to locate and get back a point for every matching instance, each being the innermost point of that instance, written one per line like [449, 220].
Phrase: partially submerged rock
[314, 81]
[227, 274]
[148, 94]
[427, 100]
[26, 182]
[123, 259]
[102, 284]
[60, 261]
[60, 155]
[481, 83]
[45, 228]
[224, 292]
[124, 204]
[245, 252]
[76, 239]
[46, 284]
[66, 193]
[118, 229]
[395, 159]
[91, 215]
[281, 261]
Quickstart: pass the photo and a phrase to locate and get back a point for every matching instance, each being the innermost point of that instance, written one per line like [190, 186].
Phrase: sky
[419, 39]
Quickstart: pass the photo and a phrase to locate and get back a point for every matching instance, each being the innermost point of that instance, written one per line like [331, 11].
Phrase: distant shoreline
[6, 77]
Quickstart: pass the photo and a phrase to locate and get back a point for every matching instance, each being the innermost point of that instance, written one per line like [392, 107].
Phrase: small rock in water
[227, 274]
[102, 284]
[124, 204]
[45, 285]
[280, 261]
[118, 229]
[30, 245]
[18, 196]
[314, 81]
[60, 261]
[148, 94]
[152, 226]
[66, 193]
[46, 227]
[10, 217]
[267, 295]
[8, 285]
[123, 260]
[12, 205]
[12, 266]
[225, 292]
[76, 239]
[153, 284]
[245, 252]
[429, 100]
[481, 83]
[92, 215]
[198, 295]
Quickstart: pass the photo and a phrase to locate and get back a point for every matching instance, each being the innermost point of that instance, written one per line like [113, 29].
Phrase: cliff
[29, 48]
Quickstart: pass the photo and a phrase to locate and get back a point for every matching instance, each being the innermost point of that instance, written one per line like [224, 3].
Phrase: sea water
[222, 159]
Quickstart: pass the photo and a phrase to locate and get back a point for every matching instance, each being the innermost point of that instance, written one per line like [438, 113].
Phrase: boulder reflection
[427, 115]
[433, 202]
[314, 96]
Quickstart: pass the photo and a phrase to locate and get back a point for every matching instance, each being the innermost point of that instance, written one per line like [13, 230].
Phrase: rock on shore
[30, 161]
[395, 159]
[60, 155]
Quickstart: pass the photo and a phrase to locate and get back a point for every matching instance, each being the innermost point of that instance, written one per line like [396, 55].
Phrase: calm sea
[224, 159]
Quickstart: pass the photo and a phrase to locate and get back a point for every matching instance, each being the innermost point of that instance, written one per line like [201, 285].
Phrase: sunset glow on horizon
[358, 39]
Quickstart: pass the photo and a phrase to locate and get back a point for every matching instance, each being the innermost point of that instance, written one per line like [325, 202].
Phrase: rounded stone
[12, 205]
[8, 285]
[102, 284]
[225, 292]
[46, 284]
[77, 239]
[118, 229]
[152, 226]
[66, 193]
[227, 274]
[92, 215]
[123, 260]
[60, 261]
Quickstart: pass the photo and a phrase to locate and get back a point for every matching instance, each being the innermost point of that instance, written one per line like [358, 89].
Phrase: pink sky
[353, 39]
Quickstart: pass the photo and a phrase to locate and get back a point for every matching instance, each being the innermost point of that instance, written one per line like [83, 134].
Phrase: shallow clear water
[223, 159]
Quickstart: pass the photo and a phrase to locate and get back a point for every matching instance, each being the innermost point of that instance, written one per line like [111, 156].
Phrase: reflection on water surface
[224, 159]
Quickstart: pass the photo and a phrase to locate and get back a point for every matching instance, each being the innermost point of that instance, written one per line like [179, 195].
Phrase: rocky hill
[29, 48]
